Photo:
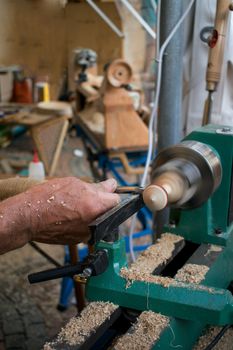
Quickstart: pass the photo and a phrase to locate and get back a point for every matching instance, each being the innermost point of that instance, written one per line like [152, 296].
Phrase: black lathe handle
[47, 275]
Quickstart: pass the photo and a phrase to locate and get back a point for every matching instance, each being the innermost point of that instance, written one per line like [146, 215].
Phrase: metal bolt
[218, 231]
[87, 272]
[172, 224]
[225, 130]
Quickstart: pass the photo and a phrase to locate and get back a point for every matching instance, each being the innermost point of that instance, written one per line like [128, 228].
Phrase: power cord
[218, 337]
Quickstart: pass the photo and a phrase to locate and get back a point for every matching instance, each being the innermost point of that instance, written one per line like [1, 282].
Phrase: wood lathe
[180, 284]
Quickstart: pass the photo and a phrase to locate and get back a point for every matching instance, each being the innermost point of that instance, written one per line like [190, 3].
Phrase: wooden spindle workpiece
[166, 189]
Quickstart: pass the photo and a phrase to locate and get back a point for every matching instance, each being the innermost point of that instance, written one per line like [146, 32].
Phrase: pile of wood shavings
[144, 333]
[78, 329]
[150, 259]
[156, 254]
[225, 343]
[131, 276]
[192, 273]
[48, 346]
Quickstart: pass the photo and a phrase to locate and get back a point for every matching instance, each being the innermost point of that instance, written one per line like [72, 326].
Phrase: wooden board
[26, 119]
[123, 126]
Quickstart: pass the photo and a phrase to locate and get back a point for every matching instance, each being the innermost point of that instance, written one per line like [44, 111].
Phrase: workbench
[47, 130]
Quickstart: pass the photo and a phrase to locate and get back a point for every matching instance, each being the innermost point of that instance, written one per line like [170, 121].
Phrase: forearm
[57, 212]
[14, 223]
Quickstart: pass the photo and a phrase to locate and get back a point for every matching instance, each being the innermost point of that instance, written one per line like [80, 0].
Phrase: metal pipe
[105, 18]
[143, 23]
[158, 26]
[170, 102]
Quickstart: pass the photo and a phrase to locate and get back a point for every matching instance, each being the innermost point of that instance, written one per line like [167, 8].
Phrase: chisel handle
[217, 44]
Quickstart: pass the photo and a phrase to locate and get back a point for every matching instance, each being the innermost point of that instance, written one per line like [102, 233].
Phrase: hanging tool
[216, 43]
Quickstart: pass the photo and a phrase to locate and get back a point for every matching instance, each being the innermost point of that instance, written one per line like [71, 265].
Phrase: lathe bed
[121, 328]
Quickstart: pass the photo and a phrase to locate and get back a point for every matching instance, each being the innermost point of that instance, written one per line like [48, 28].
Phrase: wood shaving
[192, 273]
[214, 248]
[200, 287]
[48, 347]
[144, 332]
[150, 259]
[225, 343]
[131, 276]
[50, 199]
[78, 329]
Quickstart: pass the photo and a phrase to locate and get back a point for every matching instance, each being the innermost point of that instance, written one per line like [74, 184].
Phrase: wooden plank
[58, 149]
[124, 128]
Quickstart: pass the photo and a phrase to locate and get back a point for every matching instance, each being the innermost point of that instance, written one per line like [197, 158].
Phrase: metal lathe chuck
[184, 176]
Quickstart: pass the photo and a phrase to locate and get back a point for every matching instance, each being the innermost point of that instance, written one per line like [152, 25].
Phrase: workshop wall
[41, 34]
[33, 35]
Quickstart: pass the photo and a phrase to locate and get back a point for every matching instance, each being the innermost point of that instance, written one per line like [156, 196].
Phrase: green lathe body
[190, 307]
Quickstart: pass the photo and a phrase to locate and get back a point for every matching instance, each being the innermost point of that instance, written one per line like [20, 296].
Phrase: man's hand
[62, 209]
[57, 211]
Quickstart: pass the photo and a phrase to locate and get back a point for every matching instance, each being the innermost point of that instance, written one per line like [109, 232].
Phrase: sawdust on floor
[78, 329]
[144, 333]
